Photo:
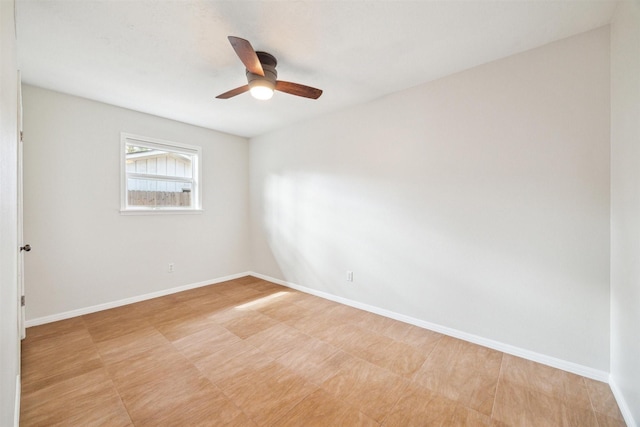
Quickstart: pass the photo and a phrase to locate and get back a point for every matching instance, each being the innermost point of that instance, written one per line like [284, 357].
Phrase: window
[159, 176]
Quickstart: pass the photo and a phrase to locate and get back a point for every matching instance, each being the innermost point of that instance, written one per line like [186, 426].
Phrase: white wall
[9, 341]
[85, 252]
[479, 202]
[625, 205]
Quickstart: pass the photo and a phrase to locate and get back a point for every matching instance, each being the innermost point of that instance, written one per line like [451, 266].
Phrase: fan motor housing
[268, 63]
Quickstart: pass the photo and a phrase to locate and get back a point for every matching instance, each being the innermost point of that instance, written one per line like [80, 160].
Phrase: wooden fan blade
[233, 92]
[298, 89]
[247, 55]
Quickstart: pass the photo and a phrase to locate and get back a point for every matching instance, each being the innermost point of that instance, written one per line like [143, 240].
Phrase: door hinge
[22, 301]
[21, 134]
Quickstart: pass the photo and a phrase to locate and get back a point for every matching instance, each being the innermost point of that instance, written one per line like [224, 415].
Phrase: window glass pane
[158, 162]
[158, 193]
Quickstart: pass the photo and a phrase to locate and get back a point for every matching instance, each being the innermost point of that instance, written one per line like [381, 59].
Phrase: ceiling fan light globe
[261, 92]
[262, 87]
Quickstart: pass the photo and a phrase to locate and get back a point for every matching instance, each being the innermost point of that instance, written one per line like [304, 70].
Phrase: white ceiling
[171, 58]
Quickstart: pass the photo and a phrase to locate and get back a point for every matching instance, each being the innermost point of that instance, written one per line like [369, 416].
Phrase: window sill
[161, 211]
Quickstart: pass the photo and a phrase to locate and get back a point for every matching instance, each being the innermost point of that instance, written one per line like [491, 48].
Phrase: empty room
[320, 213]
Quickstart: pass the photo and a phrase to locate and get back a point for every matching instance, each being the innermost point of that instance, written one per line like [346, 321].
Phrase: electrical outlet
[349, 276]
[171, 267]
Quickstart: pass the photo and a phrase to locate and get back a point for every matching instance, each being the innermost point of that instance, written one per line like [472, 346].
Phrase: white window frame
[169, 146]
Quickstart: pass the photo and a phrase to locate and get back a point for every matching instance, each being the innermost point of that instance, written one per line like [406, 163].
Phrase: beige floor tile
[176, 311]
[144, 367]
[227, 314]
[315, 360]
[420, 338]
[54, 329]
[237, 363]
[312, 303]
[208, 291]
[106, 416]
[213, 309]
[201, 344]
[182, 327]
[264, 286]
[88, 399]
[238, 292]
[108, 324]
[29, 384]
[269, 394]
[346, 314]
[246, 298]
[57, 358]
[154, 306]
[278, 340]
[320, 409]
[371, 389]
[464, 372]
[418, 406]
[211, 301]
[275, 299]
[562, 385]
[520, 406]
[125, 346]
[246, 280]
[602, 399]
[397, 357]
[605, 421]
[374, 322]
[284, 311]
[349, 337]
[185, 397]
[311, 325]
[57, 346]
[248, 323]
[464, 416]
[242, 420]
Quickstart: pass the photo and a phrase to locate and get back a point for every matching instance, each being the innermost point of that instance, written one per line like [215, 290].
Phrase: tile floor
[251, 353]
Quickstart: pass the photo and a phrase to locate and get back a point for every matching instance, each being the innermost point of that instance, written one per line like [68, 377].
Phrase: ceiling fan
[262, 75]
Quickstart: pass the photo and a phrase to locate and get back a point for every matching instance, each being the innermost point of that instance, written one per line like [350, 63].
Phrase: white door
[23, 247]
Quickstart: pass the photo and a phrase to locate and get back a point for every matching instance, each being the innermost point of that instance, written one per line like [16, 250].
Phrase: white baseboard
[622, 403]
[16, 414]
[575, 368]
[114, 304]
